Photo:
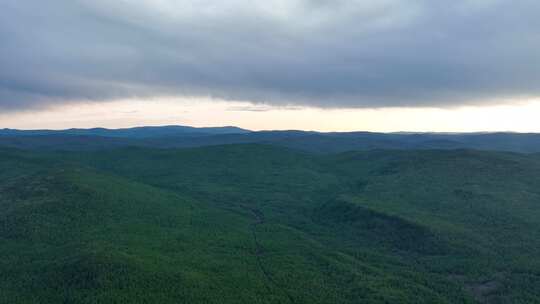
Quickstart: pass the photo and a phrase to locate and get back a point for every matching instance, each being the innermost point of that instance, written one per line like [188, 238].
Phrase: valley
[254, 223]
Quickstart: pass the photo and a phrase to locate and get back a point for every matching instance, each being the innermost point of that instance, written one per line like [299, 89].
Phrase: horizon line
[268, 130]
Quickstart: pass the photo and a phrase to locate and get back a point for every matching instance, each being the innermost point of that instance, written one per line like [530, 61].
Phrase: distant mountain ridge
[135, 132]
[310, 141]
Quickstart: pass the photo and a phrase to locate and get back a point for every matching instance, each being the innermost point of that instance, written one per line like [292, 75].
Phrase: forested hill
[255, 223]
[317, 142]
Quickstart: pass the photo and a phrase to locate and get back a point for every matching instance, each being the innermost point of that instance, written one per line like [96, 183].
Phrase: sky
[340, 65]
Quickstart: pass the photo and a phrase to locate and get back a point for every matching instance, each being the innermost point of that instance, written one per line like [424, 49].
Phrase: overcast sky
[309, 54]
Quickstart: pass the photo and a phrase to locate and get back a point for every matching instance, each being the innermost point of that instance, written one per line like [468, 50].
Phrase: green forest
[252, 223]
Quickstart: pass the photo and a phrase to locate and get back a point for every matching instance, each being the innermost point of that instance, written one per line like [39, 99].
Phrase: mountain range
[318, 142]
[254, 223]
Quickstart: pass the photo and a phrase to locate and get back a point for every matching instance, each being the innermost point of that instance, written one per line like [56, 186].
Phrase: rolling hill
[315, 142]
[253, 223]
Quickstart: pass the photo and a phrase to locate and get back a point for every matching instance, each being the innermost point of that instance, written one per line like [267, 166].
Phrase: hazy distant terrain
[181, 137]
[256, 223]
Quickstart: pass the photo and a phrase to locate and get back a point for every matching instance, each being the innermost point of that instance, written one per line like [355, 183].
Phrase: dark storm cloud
[309, 52]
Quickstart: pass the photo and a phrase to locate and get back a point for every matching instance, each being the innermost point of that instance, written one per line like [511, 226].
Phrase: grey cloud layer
[311, 52]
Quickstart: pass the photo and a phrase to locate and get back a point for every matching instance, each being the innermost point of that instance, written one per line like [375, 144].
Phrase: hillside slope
[263, 224]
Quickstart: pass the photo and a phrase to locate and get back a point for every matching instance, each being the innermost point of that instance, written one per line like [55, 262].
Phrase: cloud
[279, 52]
[249, 108]
[261, 108]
